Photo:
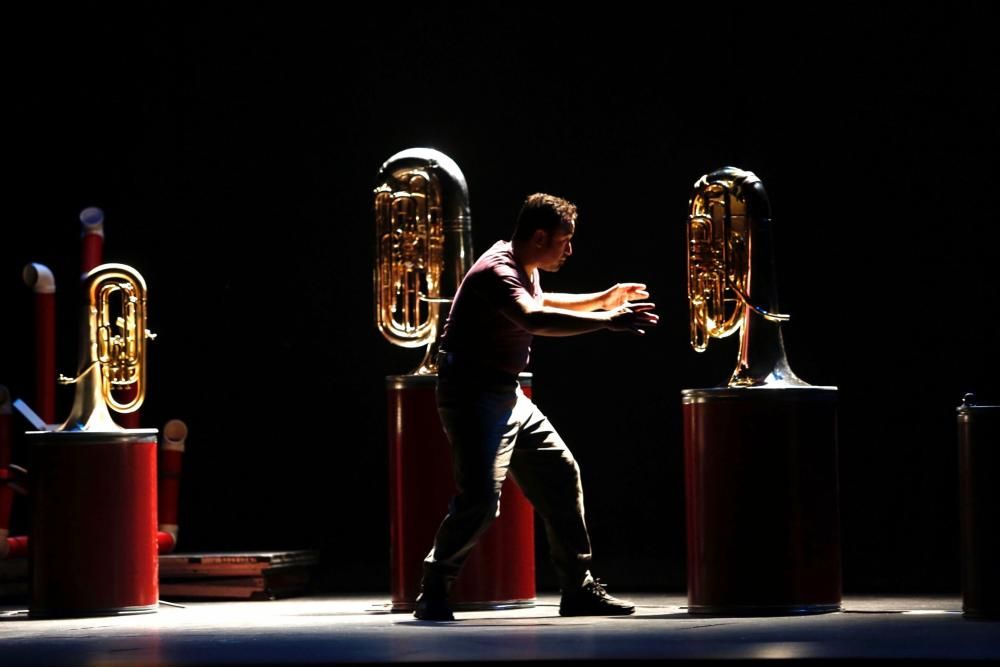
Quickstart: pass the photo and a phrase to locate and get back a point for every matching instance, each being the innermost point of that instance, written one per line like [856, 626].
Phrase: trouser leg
[482, 431]
[549, 476]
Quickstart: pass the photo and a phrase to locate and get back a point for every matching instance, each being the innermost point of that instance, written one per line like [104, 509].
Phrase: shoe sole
[598, 613]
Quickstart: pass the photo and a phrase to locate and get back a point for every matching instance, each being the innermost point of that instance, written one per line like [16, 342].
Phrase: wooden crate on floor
[236, 575]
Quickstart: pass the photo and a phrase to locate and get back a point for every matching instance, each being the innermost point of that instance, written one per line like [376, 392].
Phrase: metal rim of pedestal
[689, 396]
[763, 610]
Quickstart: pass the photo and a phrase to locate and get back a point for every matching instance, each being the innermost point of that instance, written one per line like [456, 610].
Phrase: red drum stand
[93, 545]
[500, 572]
[979, 505]
[762, 500]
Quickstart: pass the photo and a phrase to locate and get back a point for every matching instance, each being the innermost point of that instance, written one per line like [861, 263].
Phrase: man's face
[557, 247]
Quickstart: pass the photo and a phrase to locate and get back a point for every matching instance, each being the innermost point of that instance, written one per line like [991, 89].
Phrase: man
[494, 428]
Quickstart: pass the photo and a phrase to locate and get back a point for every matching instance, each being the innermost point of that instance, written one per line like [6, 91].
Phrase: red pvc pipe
[17, 547]
[171, 454]
[92, 235]
[165, 542]
[6, 492]
[40, 279]
[92, 222]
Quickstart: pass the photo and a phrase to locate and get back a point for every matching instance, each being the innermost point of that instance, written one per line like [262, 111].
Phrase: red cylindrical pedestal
[45, 356]
[500, 571]
[93, 545]
[979, 506]
[762, 500]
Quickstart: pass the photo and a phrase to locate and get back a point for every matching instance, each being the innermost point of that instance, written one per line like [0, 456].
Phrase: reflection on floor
[360, 629]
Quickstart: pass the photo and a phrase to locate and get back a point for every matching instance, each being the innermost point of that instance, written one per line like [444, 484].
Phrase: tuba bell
[423, 247]
[112, 371]
[731, 281]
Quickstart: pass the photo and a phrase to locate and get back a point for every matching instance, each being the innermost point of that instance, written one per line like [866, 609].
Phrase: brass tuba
[423, 247]
[112, 348]
[731, 282]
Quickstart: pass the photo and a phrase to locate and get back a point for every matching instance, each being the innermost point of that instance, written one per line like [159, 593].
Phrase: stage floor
[360, 629]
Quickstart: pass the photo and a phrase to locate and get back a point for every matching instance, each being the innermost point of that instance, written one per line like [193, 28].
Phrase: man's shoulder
[499, 252]
[496, 271]
[498, 259]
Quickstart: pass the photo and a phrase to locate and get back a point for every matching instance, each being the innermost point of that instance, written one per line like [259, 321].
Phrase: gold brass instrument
[731, 282]
[112, 348]
[423, 247]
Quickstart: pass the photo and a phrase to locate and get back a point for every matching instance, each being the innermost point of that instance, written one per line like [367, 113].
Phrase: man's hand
[634, 317]
[622, 293]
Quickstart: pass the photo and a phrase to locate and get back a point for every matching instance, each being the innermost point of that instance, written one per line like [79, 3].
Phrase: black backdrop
[234, 156]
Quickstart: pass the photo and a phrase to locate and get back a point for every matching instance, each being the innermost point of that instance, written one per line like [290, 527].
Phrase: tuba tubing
[423, 247]
[92, 236]
[112, 348]
[731, 276]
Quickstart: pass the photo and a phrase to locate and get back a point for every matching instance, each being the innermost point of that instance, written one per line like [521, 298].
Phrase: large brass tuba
[731, 282]
[423, 247]
[112, 348]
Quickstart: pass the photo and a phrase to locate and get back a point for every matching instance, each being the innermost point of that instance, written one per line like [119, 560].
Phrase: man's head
[545, 226]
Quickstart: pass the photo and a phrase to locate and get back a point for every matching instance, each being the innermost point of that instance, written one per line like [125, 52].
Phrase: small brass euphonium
[112, 348]
[423, 246]
[731, 282]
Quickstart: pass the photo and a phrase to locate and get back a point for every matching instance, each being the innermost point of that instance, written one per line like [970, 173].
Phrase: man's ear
[539, 238]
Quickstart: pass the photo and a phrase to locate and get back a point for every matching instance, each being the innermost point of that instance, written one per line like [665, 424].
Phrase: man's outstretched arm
[611, 298]
[551, 321]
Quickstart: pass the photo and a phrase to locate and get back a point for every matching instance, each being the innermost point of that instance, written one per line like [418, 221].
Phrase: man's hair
[542, 211]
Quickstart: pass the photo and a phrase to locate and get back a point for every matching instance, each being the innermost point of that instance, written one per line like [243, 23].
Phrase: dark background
[234, 155]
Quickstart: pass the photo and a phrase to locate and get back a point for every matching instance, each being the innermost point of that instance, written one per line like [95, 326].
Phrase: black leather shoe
[432, 608]
[592, 599]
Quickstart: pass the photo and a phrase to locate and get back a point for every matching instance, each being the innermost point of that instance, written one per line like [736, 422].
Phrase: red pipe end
[165, 542]
[16, 547]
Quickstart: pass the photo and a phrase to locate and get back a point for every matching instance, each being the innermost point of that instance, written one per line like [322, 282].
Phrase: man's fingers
[647, 319]
[640, 307]
[636, 290]
[643, 319]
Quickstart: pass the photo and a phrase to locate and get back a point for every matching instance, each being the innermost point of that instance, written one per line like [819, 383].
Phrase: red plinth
[500, 572]
[979, 507]
[762, 501]
[94, 533]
